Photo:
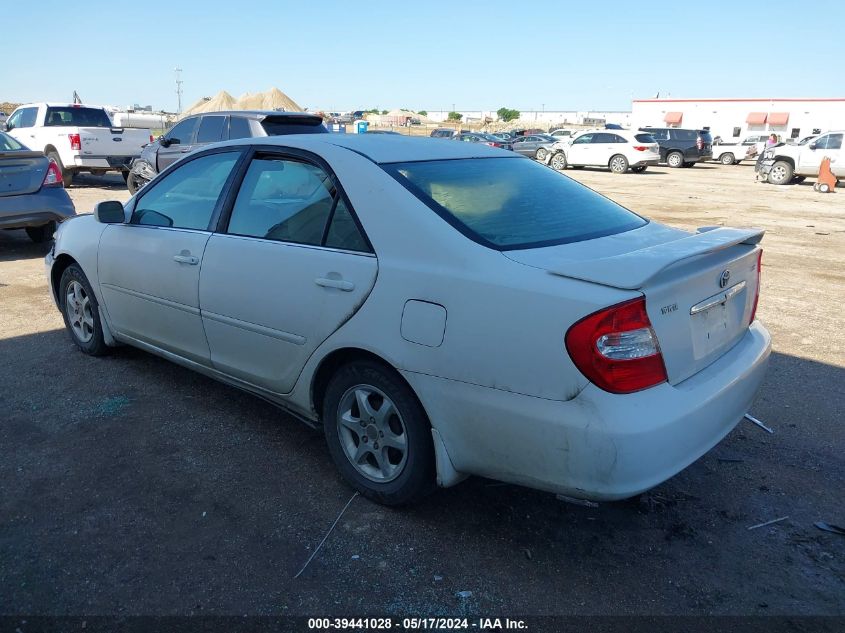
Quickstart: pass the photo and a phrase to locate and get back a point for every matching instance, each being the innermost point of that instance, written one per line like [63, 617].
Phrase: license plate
[719, 324]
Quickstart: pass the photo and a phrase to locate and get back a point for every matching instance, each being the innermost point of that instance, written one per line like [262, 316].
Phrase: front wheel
[558, 161]
[727, 159]
[378, 434]
[618, 164]
[781, 173]
[541, 154]
[675, 160]
[134, 182]
[80, 311]
[39, 234]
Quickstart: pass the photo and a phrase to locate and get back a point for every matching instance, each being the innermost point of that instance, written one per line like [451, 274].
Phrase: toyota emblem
[724, 278]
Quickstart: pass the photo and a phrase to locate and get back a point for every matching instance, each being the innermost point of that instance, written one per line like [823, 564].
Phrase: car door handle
[340, 284]
[185, 150]
[186, 259]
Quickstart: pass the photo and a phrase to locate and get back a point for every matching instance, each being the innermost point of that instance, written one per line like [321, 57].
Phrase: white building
[543, 118]
[734, 118]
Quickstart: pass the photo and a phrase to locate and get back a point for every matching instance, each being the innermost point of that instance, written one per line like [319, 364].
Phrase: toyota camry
[438, 309]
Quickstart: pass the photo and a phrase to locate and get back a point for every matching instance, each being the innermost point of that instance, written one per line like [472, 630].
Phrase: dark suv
[198, 130]
[682, 148]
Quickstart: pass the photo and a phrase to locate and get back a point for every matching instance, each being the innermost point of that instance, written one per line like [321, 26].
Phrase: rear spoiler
[634, 270]
[21, 153]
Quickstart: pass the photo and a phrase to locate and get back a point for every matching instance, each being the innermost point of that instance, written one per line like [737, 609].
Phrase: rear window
[8, 144]
[511, 203]
[645, 138]
[277, 126]
[77, 117]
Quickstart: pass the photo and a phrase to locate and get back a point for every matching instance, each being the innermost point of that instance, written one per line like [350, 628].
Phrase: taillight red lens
[757, 293]
[152, 140]
[699, 143]
[75, 142]
[53, 177]
[617, 349]
[640, 148]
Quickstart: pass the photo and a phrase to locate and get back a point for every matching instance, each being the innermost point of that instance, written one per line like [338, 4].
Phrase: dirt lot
[131, 486]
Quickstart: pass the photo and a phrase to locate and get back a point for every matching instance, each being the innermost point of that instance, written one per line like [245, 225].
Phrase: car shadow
[648, 172]
[109, 182]
[16, 245]
[168, 474]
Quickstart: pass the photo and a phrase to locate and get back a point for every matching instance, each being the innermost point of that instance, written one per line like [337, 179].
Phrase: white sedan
[441, 309]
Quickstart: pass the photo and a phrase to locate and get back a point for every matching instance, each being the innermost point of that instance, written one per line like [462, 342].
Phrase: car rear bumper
[597, 445]
[35, 209]
[121, 163]
[646, 162]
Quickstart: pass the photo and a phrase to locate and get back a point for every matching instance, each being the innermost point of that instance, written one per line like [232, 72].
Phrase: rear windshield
[278, 126]
[77, 117]
[645, 138]
[8, 144]
[511, 203]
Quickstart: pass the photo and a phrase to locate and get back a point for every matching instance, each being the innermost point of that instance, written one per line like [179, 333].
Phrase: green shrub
[507, 115]
[455, 116]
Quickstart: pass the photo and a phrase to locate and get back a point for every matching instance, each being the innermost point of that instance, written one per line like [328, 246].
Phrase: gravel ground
[129, 485]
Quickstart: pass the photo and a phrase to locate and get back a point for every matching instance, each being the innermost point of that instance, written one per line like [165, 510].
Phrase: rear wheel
[541, 154]
[558, 161]
[80, 311]
[727, 159]
[39, 234]
[618, 164]
[675, 160]
[781, 173]
[378, 434]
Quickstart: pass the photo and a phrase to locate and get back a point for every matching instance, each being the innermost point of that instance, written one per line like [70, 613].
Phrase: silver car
[32, 196]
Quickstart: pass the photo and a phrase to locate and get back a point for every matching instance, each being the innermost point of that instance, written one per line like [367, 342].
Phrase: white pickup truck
[731, 153]
[783, 164]
[78, 137]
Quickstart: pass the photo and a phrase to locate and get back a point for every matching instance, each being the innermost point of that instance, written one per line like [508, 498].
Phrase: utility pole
[178, 72]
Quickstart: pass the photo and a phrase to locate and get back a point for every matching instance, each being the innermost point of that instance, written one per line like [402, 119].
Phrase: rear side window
[78, 117]
[239, 127]
[659, 135]
[645, 138]
[508, 203]
[211, 129]
[685, 135]
[8, 144]
[276, 126]
[185, 198]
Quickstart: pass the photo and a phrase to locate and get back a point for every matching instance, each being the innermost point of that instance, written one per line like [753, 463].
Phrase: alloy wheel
[78, 311]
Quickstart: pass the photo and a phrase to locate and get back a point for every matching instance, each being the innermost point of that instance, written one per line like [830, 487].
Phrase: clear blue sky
[420, 55]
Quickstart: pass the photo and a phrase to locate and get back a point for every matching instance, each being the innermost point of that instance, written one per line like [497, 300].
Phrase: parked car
[782, 164]
[522, 132]
[504, 136]
[198, 130]
[618, 150]
[534, 145]
[563, 134]
[31, 193]
[78, 138]
[442, 132]
[680, 147]
[485, 139]
[732, 153]
[441, 309]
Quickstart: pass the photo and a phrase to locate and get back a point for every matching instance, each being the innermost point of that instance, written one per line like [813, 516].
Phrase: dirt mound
[273, 99]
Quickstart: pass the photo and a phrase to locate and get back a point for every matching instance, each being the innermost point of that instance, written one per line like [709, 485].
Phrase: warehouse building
[734, 118]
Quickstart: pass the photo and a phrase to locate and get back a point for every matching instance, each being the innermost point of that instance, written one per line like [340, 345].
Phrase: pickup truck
[782, 164]
[733, 153]
[78, 137]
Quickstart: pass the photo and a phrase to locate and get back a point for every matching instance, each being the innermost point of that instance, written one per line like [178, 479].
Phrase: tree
[385, 111]
[372, 111]
[423, 113]
[507, 115]
[455, 116]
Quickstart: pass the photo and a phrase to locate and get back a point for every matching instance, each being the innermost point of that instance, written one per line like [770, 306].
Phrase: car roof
[257, 114]
[381, 148]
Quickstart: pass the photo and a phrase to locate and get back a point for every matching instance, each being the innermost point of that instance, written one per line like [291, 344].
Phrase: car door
[579, 151]
[602, 147]
[287, 268]
[828, 145]
[177, 142]
[149, 267]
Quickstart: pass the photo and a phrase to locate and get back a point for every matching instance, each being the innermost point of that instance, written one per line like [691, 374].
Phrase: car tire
[80, 311]
[396, 474]
[781, 173]
[134, 183]
[558, 161]
[541, 154]
[40, 234]
[727, 159]
[618, 164]
[675, 160]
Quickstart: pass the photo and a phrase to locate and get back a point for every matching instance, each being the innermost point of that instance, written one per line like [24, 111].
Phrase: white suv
[618, 150]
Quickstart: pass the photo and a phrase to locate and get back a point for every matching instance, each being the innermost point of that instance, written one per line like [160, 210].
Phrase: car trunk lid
[21, 172]
[700, 289]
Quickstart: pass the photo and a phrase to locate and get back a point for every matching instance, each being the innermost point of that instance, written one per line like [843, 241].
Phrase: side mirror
[814, 146]
[109, 212]
[165, 142]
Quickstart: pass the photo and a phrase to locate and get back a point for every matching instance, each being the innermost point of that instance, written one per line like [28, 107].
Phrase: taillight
[699, 143]
[75, 142]
[152, 140]
[640, 148]
[757, 292]
[53, 177]
[617, 349]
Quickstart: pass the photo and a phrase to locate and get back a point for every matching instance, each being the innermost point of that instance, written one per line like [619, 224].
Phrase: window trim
[222, 225]
[222, 196]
